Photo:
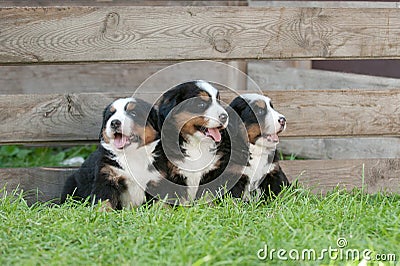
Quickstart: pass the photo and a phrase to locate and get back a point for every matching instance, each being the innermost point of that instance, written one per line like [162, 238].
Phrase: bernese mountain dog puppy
[262, 176]
[119, 170]
[191, 121]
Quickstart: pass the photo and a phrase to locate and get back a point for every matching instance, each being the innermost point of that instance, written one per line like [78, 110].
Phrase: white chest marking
[135, 164]
[259, 165]
[200, 159]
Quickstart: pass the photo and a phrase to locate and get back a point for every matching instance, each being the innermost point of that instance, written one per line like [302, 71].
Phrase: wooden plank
[45, 79]
[77, 117]
[45, 184]
[326, 4]
[52, 117]
[76, 34]
[270, 76]
[44, 3]
[341, 148]
[50, 79]
[276, 76]
[37, 184]
[339, 112]
[324, 175]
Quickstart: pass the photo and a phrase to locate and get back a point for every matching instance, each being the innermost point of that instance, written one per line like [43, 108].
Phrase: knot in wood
[221, 44]
[111, 22]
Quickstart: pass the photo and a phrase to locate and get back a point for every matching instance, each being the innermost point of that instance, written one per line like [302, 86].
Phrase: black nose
[282, 121]
[115, 124]
[223, 118]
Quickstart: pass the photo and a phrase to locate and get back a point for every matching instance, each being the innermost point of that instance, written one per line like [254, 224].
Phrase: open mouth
[273, 138]
[212, 133]
[122, 141]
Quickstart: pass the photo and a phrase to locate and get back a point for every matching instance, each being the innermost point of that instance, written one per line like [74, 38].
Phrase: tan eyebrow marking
[261, 104]
[204, 96]
[130, 106]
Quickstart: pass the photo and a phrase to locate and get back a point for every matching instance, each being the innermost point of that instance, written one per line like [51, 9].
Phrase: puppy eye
[133, 114]
[260, 112]
[202, 105]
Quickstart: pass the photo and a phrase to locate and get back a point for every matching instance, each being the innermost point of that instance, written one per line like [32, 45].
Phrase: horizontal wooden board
[271, 76]
[106, 77]
[326, 4]
[341, 148]
[77, 117]
[45, 184]
[118, 78]
[324, 175]
[44, 3]
[76, 34]
[32, 118]
[38, 184]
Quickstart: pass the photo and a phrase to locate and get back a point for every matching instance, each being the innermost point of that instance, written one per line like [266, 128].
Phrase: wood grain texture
[45, 184]
[37, 184]
[324, 175]
[271, 76]
[46, 3]
[341, 148]
[339, 112]
[118, 78]
[51, 79]
[50, 117]
[76, 34]
[325, 4]
[77, 117]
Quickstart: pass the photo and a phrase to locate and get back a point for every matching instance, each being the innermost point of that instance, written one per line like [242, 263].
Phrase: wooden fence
[61, 64]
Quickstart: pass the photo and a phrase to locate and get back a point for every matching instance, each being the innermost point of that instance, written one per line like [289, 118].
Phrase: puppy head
[194, 109]
[262, 121]
[128, 121]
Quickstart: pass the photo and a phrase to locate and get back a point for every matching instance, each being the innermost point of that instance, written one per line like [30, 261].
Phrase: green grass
[227, 233]
[19, 156]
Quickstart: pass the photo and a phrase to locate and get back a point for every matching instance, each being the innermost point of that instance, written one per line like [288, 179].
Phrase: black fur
[273, 181]
[89, 182]
[233, 161]
[187, 92]
[272, 184]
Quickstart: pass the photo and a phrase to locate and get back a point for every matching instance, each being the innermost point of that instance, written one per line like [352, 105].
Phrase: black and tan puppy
[263, 175]
[119, 170]
[191, 122]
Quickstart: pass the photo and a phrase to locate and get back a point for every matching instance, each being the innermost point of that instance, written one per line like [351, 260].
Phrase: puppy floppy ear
[238, 104]
[236, 136]
[235, 121]
[166, 104]
[106, 115]
[152, 119]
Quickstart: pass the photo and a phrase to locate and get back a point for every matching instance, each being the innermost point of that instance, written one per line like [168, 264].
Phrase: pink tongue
[274, 137]
[214, 133]
[120, 141]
